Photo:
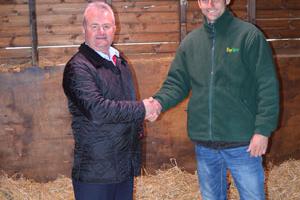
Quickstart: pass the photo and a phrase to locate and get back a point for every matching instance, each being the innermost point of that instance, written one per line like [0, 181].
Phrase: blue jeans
[247, 172]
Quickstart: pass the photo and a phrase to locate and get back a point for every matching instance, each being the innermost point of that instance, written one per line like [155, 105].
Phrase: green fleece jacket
[228, 68]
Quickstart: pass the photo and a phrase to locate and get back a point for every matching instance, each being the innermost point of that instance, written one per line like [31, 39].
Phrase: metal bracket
[183, 9]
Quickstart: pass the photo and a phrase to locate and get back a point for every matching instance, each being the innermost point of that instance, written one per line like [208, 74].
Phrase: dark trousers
[96, 191]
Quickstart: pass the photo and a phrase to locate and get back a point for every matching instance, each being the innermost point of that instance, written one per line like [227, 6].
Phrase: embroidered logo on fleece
[232, 50]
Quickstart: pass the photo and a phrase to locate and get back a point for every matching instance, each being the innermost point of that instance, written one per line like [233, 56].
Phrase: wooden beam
[251, 11]
[183, 27]
[33, 29]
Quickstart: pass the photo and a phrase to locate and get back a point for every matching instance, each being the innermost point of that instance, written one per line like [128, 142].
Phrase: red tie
[114, 59]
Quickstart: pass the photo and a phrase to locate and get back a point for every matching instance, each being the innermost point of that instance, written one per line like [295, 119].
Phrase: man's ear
[199, 4]
[83, 30]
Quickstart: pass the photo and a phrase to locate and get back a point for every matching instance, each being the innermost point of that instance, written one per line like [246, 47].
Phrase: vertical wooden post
[33, 29]
[251, 9]
[183, 28]
[108, 2]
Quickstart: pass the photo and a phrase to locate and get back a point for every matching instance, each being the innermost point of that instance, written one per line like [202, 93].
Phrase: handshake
[153, 109]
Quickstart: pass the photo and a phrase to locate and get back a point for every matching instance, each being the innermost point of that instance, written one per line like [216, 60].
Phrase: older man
[228, 67]
[106, 118]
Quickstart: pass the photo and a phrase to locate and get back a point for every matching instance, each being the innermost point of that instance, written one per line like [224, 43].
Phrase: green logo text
[232, 50]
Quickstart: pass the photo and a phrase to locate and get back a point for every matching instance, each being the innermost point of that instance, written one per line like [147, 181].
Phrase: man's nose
[101, 30]
[211, 3]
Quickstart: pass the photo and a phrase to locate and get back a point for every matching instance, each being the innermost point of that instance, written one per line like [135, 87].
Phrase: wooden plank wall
[140, 28]
[14, 31]
[36, 139]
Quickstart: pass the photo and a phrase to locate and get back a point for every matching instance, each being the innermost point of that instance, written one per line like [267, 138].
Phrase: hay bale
[168, 184]
[283, 182]
[19, 188]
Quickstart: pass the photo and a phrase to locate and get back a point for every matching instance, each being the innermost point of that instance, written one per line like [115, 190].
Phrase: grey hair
[99, 5]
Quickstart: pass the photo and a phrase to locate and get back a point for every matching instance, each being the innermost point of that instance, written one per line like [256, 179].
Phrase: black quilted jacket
[106, 118]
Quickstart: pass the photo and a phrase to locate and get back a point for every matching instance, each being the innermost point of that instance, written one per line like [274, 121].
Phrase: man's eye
[106, 27]
[94, 26]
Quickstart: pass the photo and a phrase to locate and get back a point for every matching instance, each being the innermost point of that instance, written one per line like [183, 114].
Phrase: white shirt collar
[112, 52]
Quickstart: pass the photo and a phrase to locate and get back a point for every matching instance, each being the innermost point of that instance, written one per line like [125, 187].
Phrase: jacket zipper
[210, 100]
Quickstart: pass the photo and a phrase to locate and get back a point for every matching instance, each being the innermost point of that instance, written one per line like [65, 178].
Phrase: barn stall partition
[37, 37]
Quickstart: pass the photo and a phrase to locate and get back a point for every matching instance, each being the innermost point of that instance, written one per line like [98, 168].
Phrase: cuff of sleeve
[160, 102]
[263, 132]
[143, 111]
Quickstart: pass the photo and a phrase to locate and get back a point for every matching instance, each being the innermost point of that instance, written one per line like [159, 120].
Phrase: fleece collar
[220, 25]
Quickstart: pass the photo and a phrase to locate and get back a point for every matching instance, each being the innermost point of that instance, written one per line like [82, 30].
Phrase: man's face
[213, 9]
[99, 29]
